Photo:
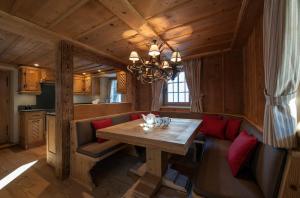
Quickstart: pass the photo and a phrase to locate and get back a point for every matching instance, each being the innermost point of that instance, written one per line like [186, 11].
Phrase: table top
[176, 138]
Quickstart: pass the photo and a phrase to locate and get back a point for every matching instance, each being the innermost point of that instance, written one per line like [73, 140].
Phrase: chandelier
[155, 68]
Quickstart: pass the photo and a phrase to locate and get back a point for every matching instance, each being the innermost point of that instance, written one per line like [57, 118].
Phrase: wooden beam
[64, 107]
[30, 30]
[248, 15]
[128, 14]
[68, 13]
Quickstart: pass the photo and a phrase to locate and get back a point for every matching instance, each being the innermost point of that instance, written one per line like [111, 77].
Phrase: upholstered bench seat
[96, 149]
[214, 177]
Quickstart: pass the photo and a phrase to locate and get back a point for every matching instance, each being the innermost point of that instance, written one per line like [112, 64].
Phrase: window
[114, 95]
[177, 92]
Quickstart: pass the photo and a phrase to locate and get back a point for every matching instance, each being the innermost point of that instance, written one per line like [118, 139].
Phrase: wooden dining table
[158, 141]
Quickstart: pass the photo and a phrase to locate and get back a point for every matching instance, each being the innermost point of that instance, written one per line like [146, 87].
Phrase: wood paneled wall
[254, 85]
[143, 96]
[221, 84]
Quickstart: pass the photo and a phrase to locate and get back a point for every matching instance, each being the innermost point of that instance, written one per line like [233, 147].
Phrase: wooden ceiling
[114, 28]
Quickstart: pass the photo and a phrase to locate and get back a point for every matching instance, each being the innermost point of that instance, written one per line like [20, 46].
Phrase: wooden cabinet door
[47, 75]
[78, 84]
[32, 80]
[35, 131]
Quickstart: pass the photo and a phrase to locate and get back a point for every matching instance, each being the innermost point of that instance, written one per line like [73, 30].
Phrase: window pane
[181, 77]
[187, 97]
[170, 97]
[170, 87]
[181, 97]
[175, 97]
[181, 87]
[175, 87]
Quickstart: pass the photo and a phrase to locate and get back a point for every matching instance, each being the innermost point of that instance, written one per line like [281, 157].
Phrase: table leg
[157, 162]
[150, 182]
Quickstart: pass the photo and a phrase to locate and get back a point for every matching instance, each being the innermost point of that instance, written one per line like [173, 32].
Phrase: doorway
[4, 106]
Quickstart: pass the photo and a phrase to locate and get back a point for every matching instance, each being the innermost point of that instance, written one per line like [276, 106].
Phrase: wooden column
[64, 107]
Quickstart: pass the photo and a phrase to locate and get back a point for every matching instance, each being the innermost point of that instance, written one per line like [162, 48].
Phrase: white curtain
[157, 95]
[192, 70]
[281, 31]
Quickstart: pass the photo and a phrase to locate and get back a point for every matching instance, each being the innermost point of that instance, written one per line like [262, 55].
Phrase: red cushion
[135, 116]
[232, 129]
[100, 124]
[240, 151]
[213, 126]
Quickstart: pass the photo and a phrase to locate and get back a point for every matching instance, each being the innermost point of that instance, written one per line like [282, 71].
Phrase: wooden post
[64, 107]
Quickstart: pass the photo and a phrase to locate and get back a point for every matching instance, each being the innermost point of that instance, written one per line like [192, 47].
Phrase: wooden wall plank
[64, 107]
[212, 83]
[254, 85]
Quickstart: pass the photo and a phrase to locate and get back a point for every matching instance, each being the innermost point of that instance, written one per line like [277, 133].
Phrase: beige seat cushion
[96, 149]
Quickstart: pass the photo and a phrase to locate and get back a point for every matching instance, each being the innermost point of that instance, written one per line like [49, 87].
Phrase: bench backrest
[86, 133]
[267, 164]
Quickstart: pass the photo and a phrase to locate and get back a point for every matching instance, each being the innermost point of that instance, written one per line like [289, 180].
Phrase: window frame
[165, 97]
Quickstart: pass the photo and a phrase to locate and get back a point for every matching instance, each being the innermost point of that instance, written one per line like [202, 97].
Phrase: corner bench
[86, 151]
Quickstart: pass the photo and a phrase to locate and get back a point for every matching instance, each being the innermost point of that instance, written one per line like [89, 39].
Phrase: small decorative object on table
[163, 122]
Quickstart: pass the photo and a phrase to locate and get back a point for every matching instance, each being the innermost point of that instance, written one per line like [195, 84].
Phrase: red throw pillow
[100, 124]
[232, 129]
[205, 118]
[240, 151]
[135, 116]
[214, 127]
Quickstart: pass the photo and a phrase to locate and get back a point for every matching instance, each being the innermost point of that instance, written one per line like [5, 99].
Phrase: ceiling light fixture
[155, 68]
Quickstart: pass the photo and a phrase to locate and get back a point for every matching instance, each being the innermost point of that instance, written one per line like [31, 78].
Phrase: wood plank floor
[40, 181]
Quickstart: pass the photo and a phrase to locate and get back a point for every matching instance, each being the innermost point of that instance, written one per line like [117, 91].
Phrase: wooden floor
[40, 181]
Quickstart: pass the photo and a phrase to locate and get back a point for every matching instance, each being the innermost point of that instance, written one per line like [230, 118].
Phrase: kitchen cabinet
[82, 84]
[29, 80]
[50, 139]
[47, 75]
[32, 128]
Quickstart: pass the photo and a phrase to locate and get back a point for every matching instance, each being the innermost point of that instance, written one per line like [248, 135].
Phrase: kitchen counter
[51, 113]
[31, 110]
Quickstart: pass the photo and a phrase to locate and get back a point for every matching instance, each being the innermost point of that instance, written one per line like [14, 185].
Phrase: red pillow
[100, 124]
[135, 116]
[213, 127]
[240, 150]
[232, 129]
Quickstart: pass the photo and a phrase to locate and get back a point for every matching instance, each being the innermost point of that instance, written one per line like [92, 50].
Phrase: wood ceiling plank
[109, 33]
[6, 40]
[207, 33]
[150, 8]
[70, 11]
[18, 49]
[88, 16]
[126, 12]
[191, 11]
[43, 13]
[248, 16]
[205, 49]
[224, 18]
[29, 30]
[204, 41]
[93, 29]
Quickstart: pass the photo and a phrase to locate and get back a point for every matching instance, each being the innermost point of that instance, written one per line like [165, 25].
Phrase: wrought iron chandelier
[155, 68]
